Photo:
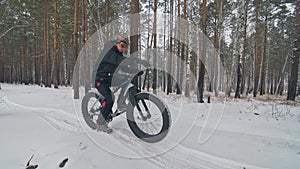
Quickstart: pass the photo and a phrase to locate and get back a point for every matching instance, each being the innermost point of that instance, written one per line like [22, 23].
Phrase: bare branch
[5, 32]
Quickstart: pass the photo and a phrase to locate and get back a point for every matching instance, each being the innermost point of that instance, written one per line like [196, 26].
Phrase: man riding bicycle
[111, 58]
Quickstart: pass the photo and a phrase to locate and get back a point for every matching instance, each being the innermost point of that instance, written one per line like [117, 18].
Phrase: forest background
[256, 43]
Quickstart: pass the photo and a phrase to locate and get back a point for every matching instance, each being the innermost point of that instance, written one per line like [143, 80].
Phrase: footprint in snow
[82, 146]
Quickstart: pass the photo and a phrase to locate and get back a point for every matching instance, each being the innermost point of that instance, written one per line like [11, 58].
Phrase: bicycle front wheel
[149, 119]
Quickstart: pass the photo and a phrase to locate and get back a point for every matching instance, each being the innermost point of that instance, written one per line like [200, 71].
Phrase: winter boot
[104, 128]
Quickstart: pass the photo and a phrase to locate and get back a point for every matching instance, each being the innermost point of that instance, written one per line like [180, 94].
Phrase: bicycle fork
[134, 102]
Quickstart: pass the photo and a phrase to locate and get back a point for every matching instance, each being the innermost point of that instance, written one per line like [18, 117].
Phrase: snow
[47, 123]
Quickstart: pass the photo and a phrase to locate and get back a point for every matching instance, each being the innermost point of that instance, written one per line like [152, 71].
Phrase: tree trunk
[37, 63]
[293, 78]
[146, 80]
[232, 81]
[2, 60]
[154, 83]
[46, 45]
[75, 51]
[87, 80]
[107, 10]
[25, 60]
[179, 82]
[170, 58]
[243, 74]
[134, 28]
[55, 47]
[30, 70]
[184, 52]
[238, 81]
[164, 50]
[200, 83]
[272, 80]
[263, 66]
[256, 70]
[215, 69]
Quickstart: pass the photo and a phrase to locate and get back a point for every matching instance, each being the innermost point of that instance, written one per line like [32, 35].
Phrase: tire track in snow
[176, 158]
[56, 118]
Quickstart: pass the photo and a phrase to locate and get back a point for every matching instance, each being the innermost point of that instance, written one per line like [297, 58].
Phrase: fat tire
[166, 118]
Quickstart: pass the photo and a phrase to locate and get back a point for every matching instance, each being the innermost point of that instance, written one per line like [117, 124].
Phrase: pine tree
[2, 59]
[46, 72]
[85, 38]
[200, 83]
[257, 31]
[170, 61]
[55, 47]
[293, 78]
[154, 83]
[245, 26]
[75, 51]
[134, 28]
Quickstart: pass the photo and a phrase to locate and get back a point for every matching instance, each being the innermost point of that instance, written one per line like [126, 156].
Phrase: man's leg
[107, 104]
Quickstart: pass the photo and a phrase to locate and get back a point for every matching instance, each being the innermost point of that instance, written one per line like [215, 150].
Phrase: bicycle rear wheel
[150, 126]
[90, 108]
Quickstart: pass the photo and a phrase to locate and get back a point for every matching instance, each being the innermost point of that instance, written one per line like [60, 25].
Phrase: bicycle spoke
[148, 128]
[153, 123]
[155, 127]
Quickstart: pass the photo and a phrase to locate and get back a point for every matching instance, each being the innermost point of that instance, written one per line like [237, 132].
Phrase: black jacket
[110, 61]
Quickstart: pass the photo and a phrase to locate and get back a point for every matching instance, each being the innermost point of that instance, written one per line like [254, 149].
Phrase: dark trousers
[107, 105]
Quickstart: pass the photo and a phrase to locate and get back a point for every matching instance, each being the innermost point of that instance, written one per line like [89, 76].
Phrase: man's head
[122, 43]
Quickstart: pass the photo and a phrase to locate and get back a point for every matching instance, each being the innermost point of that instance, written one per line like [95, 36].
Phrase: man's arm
[129, 64]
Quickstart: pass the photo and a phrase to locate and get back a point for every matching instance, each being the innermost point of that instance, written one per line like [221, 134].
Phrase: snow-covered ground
[46, 123]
